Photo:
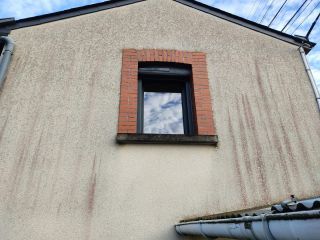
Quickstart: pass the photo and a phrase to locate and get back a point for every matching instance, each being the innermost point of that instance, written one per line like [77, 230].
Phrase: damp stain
[302, 146]
[291, 160]
[83, 135]
[245, 146]
[91, 198]
[22, 158]
[276, 139]
[260, 164]
[56, 172]
[3, 128]
[15, 177]
[34, 161]
[236, 158]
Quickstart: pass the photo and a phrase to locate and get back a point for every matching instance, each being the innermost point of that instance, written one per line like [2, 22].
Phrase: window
[164, 99]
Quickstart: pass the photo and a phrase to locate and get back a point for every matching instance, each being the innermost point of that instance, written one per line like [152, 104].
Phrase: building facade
[63, 175]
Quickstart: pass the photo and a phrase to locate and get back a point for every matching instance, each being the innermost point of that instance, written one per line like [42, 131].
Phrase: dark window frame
[166, 77]
[1, 47]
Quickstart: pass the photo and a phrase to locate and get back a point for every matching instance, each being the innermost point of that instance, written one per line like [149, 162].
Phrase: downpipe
[302, 225]
[5, 58]
[310, 75]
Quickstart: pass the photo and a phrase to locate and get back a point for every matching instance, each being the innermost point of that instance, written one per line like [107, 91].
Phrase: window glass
[164, 99]
[163, 113]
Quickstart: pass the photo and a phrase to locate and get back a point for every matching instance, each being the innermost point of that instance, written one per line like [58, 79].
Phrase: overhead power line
[277, 13]
[253, 8]
[265, 7]
[298, 15]
[294, 15]
[257, 8]
[269, 7]
[312, 26]
[306, 18]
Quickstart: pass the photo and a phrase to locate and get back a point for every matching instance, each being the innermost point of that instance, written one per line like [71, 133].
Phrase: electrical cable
[265, 7]
[312, 26]
[297, 17]
[258, 7]
[268, 9]
[252, 9]
[294, 15]
[277, 13]
[305, 18]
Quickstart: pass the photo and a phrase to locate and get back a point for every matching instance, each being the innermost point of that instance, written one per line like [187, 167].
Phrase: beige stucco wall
[62, 176]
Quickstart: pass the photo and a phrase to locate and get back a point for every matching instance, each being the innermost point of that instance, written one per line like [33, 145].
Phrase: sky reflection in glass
[163, 113]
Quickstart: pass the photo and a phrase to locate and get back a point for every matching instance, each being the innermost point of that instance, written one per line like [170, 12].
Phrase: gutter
[310, 75]
[302, 225]
[5, 57]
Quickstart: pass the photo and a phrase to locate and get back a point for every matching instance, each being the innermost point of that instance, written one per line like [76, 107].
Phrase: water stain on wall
[236, 158]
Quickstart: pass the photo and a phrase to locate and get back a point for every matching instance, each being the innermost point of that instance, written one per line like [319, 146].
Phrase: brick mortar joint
[131, 58]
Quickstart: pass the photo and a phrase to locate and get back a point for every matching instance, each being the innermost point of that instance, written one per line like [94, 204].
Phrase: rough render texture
[63, 176]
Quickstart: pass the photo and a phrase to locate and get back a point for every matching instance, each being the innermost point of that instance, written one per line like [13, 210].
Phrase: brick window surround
[203, 115]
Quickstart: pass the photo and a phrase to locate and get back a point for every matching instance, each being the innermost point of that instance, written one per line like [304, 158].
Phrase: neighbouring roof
[285, 207]
[305, 205]
[8, 24]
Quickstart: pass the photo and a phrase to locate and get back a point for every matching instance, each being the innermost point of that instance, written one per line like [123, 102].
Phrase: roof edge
[8, 24]
[69, 13]
[307, 45]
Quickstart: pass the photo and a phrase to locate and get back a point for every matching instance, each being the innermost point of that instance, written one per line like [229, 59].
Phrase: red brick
[129, 87]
